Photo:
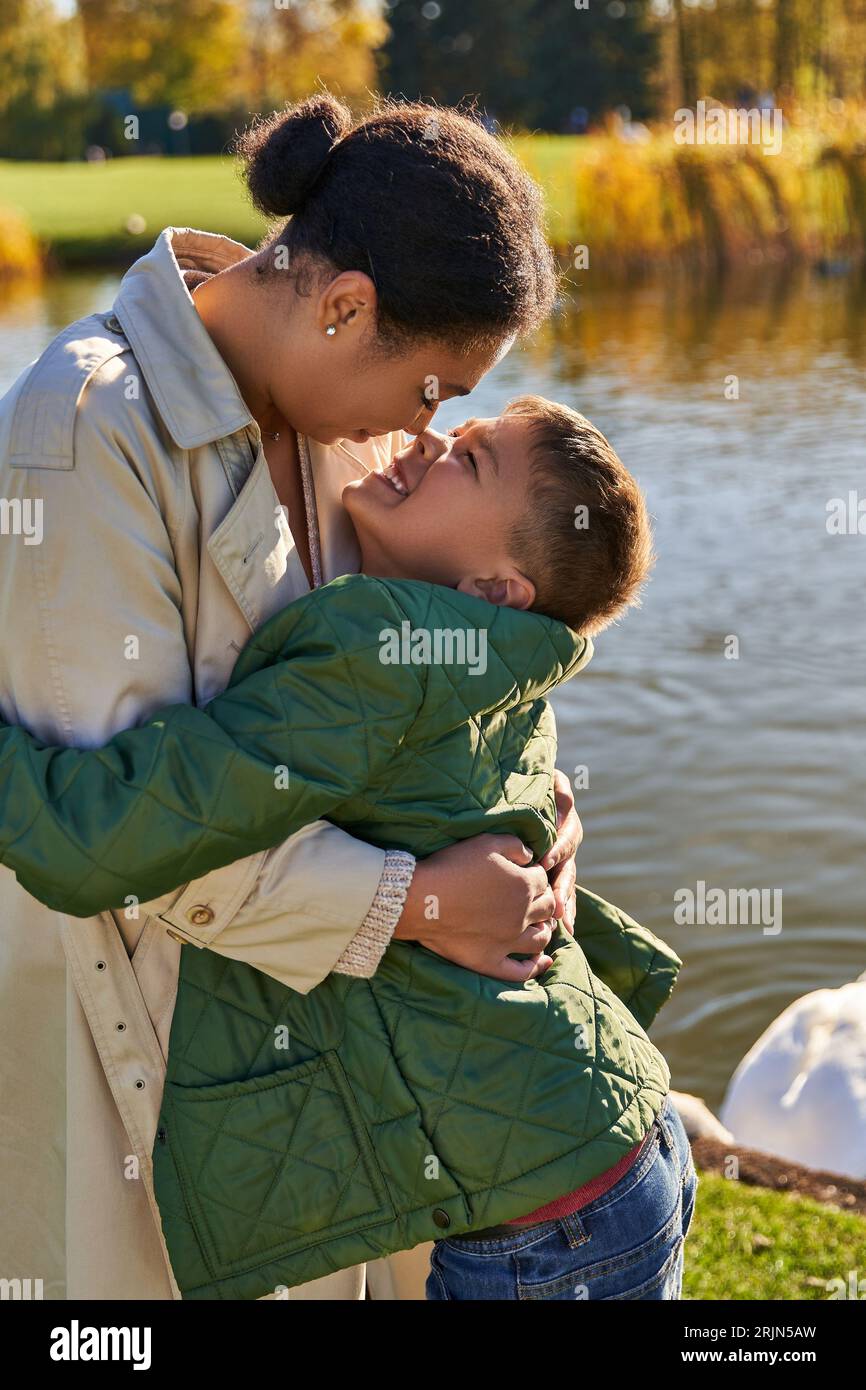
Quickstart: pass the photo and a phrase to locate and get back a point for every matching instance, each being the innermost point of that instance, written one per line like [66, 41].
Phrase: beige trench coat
[163, 547]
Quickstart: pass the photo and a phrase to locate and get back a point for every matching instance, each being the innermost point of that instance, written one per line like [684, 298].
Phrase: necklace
[271, 435]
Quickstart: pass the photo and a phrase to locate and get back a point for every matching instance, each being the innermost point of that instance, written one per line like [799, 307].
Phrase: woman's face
[316, 361]
[379, 394]
[332, 377]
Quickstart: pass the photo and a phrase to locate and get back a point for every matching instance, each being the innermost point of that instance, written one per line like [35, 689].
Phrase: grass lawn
[631, 204]
[750, 1243]
[81, 210]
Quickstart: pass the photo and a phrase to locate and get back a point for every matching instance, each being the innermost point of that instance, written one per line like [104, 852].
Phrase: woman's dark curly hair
[421, 198]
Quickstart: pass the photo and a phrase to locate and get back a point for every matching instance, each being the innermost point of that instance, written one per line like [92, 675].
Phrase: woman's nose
[423, 418]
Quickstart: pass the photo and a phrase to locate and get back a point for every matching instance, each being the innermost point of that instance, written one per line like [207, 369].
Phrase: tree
[163, 52]
[596, 59]
[293, 46]
[530, 63]
[43, 103]
[39, 55]
[786, 43]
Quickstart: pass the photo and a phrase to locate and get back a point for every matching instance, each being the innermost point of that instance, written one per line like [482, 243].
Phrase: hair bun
[285, 153]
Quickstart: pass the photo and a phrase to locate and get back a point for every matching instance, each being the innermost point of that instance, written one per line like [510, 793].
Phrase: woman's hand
[559, 860]
[478, 901]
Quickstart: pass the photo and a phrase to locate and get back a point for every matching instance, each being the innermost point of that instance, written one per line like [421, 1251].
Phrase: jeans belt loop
[665, 1129]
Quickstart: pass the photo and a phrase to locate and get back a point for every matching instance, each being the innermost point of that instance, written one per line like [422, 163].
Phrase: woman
[182, 449]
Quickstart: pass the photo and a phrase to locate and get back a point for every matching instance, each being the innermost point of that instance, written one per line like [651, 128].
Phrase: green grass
[632, 205]
[749, 1243]
[81, 211]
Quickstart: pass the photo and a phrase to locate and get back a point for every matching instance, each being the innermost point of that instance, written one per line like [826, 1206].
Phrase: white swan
[800, 1091]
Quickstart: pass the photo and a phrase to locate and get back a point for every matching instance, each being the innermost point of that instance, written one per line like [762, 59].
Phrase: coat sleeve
[307, 724]
[637, 966]
[96, 636]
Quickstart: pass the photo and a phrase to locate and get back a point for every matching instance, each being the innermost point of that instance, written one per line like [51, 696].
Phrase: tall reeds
[636, 203]
[20, 257]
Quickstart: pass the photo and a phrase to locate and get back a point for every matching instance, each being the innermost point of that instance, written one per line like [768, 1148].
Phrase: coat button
[441, 1218]
[200, 916]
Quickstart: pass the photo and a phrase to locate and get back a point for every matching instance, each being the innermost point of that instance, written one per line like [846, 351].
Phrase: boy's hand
[489, 901]
[559, 860]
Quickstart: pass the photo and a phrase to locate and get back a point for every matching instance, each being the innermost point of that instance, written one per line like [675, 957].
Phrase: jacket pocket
[273, 1165]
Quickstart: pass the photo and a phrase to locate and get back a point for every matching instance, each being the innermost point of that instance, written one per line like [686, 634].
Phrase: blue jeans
[626, 1244]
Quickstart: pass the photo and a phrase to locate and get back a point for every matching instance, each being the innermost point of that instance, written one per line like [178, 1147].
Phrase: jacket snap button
[175, 936]
[100, 965]
[441, 1218]
[200, 916]
[139, 1085]
[121, 1027]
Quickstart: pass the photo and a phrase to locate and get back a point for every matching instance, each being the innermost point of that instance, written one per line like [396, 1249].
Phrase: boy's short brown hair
[586, 541]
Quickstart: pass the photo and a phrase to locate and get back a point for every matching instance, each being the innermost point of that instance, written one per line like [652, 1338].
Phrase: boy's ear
[513, 590]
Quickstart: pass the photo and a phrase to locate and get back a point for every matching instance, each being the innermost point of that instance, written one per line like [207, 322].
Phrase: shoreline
[759, 1169]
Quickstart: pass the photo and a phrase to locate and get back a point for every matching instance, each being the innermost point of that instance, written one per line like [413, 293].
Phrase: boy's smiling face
[444, 510]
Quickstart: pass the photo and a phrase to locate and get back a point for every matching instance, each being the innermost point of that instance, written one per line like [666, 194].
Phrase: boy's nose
[431, 445]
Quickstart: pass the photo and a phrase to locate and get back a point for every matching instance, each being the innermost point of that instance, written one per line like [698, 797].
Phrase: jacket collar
[194, 391]
[535, 653]
[521, 657]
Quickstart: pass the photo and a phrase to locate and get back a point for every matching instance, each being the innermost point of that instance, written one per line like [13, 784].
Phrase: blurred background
[711, 322]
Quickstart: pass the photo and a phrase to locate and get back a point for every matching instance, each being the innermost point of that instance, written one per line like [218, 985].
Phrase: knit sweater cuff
[367, 947]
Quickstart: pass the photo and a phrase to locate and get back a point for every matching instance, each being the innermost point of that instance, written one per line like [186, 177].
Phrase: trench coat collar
[194, 391]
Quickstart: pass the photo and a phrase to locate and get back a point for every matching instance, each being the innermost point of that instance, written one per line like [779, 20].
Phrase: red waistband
[582, 1196]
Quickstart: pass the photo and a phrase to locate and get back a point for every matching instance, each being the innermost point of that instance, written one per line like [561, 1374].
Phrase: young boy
[532, 510]
[302, 1134]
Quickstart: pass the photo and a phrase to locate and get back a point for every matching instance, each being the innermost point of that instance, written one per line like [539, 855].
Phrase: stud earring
[331, 329]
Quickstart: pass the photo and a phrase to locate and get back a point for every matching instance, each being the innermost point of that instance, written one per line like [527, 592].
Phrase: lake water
[741, 773]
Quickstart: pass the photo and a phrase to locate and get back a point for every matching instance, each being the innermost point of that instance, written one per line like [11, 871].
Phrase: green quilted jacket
[301, 1134]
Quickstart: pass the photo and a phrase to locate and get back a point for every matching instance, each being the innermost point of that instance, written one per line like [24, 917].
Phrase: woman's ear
[513, 590]
[347, 303]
